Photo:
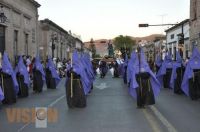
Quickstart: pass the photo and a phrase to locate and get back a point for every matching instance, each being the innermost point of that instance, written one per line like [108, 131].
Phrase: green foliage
[124, 42]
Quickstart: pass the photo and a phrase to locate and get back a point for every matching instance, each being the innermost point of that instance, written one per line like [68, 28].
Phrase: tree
[124, 44]
[92, 47]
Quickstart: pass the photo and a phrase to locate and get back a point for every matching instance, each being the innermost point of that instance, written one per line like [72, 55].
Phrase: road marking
[50, 105]
[164, 121]
[102, 86]
[155, 127]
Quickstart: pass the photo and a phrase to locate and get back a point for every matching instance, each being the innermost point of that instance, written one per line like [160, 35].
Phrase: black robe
[78, 98]
[194, 85]
[167, 78]
[145, 95]
[50, 81]
[103, 69]
[37, 81]
[23, 88]
[125, 75]
[116, 70]
[178, 80]
[157, 68]
[8, 89]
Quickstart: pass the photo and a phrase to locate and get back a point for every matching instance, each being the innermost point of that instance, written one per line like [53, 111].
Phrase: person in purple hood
[38, 75]
[165, 71]
[22, 78]
[52, 77]
[77, 83]
[8, 82]
[144, 85]
[191, 83]
[177, 74]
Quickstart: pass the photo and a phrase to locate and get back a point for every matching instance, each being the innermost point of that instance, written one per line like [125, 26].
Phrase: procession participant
[76, 83]
[144, 85]
[158, 62]
[125, 65]
[8, 81]
[52, 77]
[103, 68]
[130, 67]
[1, 94]
[116, 69]
[38, 75]
[165, 71]
[22, 78]
[177, 74]
[1, 90]
[190, 84]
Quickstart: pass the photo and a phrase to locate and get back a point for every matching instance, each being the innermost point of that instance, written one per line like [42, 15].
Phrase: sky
[106, 19]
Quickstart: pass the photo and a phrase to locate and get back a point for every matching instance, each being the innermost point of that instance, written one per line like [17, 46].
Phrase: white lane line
[50, 105]
[164, 121]
[153, 123]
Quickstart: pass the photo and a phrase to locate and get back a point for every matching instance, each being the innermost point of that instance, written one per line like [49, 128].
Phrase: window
[26, 44]
[2, 39]
[172, 36]
[15, 45]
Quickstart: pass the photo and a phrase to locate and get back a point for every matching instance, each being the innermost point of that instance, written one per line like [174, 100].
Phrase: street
[109, 109]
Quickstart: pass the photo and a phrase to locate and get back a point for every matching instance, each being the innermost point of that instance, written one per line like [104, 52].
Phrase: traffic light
[143, 25]
[181, 39]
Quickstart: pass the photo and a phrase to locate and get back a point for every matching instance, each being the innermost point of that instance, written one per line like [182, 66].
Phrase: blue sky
[109, 18]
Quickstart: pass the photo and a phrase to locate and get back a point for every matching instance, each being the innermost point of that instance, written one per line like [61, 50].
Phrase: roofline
[35, 3]
[177, 25]
[53, 24]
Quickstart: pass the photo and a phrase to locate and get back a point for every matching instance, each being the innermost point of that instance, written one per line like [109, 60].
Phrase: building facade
[55, 41]
[195, 22]
[178, 38]
[18, 33]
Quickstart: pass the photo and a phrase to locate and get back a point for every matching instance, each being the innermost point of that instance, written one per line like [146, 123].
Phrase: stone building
[195, 22]
[18, 33]
[56, 41]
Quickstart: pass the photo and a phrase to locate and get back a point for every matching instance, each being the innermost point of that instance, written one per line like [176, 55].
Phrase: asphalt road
[109, 109]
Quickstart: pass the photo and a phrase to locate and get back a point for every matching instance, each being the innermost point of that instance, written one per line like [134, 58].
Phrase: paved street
[110, 109]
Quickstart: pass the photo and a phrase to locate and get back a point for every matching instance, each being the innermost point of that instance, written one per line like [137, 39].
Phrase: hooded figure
[191, 83]
[8, 82]
[158, 62]
[116, 69]
[52, 77]
[77, 83]
[103, 68]
[165, 71]
[38, 75]
[124, 71]
[1, 94]
[22, 78]
[130, 67]
[177, 74]
[85, 59]
[144, 85]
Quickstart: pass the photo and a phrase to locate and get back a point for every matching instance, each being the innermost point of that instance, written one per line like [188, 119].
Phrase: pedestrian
[22, 78]
[38, 75]
[52, 77]
[177, 74]
[125, 65]
[8, 81]
[165, 71]
[144, 85]
[191, 84]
